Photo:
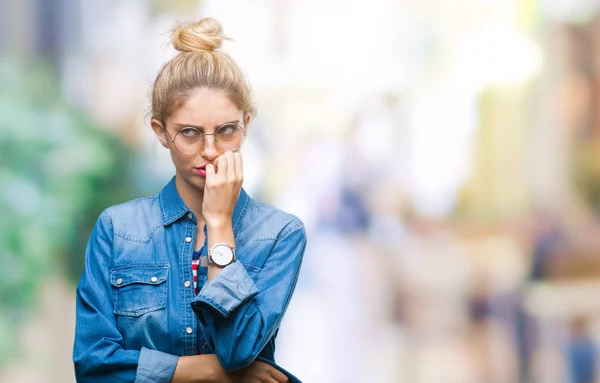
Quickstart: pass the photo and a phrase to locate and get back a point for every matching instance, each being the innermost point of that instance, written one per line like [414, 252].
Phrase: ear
[247, 119]
[160, 132]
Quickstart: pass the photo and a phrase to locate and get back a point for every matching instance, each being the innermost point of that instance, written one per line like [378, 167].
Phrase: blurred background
[443, 154]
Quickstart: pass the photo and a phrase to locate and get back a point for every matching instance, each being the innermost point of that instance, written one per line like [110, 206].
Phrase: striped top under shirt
[199, 270]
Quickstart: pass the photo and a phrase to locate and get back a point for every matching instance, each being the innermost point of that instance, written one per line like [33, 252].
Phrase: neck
[191, 195]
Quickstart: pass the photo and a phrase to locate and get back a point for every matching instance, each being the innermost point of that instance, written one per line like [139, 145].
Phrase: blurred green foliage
[58, 170]
[587, 173]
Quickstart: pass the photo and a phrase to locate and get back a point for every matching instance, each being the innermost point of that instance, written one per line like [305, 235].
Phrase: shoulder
[135, 220]
[270, 222]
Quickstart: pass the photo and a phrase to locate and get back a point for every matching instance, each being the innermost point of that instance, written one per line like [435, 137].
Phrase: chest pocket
[139, 288]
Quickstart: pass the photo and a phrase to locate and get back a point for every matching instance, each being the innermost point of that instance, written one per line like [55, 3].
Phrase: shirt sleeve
[98, 353]
[241, 315]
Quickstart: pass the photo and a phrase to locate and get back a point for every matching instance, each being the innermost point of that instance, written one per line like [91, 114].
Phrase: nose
[209, 151]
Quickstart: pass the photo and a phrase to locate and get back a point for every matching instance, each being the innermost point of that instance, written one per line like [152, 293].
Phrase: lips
[201, 171]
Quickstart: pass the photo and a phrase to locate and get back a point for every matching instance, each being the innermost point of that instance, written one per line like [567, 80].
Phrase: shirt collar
[172, 206]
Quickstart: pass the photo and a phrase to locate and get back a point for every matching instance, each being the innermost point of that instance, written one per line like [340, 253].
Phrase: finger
[210, 172]
[279, 376]
[230, 166]
[264, 377]
[239, 166]
[222, 166]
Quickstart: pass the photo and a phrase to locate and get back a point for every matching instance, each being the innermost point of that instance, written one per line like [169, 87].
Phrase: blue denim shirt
[136, 307]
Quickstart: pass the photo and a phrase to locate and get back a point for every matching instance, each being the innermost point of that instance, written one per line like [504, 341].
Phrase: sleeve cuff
[155, 366]
[225, 292]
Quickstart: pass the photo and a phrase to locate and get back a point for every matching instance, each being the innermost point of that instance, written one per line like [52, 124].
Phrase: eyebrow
[201, 127]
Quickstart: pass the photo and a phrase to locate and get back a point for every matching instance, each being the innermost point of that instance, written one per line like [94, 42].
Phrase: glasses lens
[189, 140]
[229, 137]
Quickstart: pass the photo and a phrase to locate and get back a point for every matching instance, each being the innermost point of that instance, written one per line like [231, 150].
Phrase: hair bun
[202, 35]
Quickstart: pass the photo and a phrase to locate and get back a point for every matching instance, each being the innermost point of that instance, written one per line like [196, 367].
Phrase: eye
[190, 132]
[227, 130]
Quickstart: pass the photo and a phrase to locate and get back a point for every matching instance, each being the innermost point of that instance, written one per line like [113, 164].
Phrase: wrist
[218, 223]
[220, 232]
[213, 271]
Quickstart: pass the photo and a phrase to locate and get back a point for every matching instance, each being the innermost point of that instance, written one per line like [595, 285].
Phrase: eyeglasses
[190, 140]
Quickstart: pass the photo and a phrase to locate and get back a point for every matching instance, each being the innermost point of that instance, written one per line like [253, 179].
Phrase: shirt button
[190, 216]
[119, 281]
[189, 330]
[203, 345]
[154, 279]
[187, 283]
[188, 239]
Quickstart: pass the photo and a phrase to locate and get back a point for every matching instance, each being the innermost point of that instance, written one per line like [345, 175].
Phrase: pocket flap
[151, 275]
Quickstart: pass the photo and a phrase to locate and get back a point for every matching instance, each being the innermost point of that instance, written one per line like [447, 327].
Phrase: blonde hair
[199, 64]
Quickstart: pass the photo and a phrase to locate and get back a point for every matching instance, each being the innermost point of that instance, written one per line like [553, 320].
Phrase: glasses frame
[203, 136]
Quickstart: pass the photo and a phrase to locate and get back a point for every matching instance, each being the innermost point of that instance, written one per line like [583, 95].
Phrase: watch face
[222, 255]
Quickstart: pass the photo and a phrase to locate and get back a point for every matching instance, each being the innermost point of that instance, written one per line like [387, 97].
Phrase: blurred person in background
[191, 284]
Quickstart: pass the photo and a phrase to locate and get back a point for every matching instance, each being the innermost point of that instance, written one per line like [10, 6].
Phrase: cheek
[181, 161]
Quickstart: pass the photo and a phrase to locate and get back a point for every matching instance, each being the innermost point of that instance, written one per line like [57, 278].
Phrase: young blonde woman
[191, 284]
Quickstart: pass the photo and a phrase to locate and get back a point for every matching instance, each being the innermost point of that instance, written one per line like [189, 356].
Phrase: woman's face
[206, 110]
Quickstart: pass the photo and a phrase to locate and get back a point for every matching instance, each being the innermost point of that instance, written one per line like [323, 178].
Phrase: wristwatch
[221, 255]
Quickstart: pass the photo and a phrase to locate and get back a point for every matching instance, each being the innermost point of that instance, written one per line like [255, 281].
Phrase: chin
[195, 180]
[198, 182]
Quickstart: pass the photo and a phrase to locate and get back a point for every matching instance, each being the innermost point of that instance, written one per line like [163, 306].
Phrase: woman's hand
[259, 372]
[222, 189]
[207, 369]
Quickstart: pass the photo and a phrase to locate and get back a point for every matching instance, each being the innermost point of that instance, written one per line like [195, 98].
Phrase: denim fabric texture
[137, 311]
